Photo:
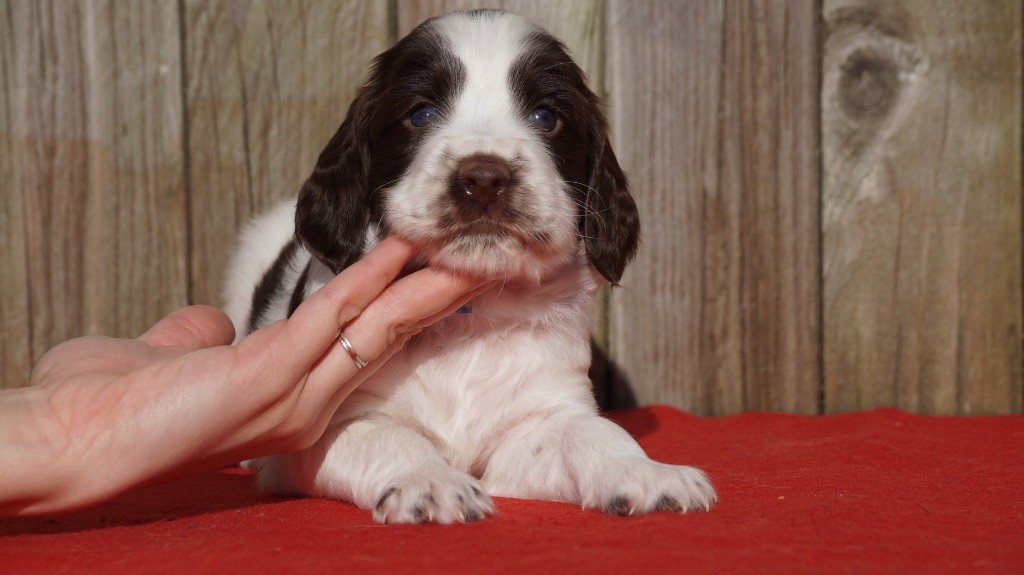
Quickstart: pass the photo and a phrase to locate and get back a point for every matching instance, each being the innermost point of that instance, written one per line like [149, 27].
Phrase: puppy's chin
[494, 257]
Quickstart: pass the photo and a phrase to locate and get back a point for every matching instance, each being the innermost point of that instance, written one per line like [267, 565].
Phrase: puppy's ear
[611, 223]
[333, 210]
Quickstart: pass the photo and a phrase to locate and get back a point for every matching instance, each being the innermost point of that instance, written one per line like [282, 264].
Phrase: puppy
[476, 139]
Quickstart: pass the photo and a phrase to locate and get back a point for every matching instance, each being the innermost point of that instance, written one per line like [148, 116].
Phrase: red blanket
[873, 492]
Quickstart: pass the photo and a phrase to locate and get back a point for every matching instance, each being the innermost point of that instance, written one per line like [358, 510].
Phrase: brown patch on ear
[611, 224]
[333, 209]
[338, 201]
[545, 75]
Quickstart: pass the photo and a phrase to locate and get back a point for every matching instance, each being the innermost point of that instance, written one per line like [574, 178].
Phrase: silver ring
[345, 343]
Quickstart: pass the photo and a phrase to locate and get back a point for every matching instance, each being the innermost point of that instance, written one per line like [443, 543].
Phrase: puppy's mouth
[491, 245]
[488, 230]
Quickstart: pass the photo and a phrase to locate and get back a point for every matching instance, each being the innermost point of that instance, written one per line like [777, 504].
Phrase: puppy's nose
[484, 179]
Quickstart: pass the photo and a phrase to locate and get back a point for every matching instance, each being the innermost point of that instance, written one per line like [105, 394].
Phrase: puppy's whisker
[384, 185]
[558, 65]
[584, 205]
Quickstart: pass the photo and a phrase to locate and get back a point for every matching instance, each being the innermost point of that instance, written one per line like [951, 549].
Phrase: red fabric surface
[871, 492]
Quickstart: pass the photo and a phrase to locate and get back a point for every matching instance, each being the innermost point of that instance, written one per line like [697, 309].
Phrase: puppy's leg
[384, 467]
[586, 459]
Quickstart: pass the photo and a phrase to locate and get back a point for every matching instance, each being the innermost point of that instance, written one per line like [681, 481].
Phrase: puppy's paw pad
[683, 489]
[619, 505]
[668, 503]
[639, 487]
[433, 497]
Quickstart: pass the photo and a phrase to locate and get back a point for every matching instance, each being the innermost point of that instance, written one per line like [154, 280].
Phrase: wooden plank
[714, 106]
[774, 167]
[15, 321]
[136, 245]
[93, 126]
[268, 83]
[665, 68]
[580, 24]
[716, 103]
[922, 206]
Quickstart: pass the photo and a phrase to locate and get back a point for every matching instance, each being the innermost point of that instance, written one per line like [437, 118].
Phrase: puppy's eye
[423, 116]
[545, 120]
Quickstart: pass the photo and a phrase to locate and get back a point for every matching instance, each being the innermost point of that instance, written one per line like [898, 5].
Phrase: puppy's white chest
[476, 374]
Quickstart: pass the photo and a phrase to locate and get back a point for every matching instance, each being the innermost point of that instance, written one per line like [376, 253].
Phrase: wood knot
[869, 85]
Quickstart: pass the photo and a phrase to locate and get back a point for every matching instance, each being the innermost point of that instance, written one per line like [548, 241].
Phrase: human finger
[372, 366]
[315, 323]
[401, 308]
[193, 327]
[455, 305]
[396, 345]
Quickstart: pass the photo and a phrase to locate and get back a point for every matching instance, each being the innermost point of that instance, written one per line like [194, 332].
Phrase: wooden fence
[830, 192]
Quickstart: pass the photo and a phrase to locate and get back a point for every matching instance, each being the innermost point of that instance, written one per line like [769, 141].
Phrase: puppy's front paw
[442, 495]
[643, 486]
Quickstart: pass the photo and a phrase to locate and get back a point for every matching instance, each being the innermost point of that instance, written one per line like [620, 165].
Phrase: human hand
[105, 415]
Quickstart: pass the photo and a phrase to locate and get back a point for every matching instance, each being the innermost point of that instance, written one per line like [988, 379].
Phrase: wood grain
[669, 59]
[136, 137]
[267, 84]
[714, 106]
[773, 130]
[15, 320]
[922, 206]
[93, 133]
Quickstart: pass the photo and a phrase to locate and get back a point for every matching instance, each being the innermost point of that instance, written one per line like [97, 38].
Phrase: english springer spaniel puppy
[476, 139]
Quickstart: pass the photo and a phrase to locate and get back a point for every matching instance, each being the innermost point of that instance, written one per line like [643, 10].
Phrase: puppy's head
[477, 139]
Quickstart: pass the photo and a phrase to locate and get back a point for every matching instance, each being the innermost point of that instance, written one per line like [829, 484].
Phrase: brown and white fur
[477, 139]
